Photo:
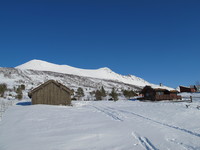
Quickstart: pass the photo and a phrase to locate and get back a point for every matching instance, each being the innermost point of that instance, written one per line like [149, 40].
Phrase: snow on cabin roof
[162, 87]
[184, 86]
[191, 86]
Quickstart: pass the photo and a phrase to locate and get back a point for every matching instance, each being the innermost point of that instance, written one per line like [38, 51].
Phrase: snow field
[101, 125]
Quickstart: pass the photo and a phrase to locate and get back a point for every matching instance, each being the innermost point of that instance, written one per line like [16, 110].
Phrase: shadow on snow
[23, 103]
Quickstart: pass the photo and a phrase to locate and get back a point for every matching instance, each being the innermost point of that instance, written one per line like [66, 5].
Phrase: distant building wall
[187, 89]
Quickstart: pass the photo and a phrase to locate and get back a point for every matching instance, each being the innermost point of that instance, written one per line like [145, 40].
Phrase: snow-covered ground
[102, 125]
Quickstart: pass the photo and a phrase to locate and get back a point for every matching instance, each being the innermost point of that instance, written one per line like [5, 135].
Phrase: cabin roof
[48, 82]
[160, 89]
[184, 86]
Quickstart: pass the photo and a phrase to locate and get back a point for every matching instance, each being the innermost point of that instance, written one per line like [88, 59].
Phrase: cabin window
[147, 94]
[160, 93]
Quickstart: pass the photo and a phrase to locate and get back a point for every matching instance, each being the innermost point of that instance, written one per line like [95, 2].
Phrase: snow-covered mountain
[102, 73]
[36, 72]
[14, 77]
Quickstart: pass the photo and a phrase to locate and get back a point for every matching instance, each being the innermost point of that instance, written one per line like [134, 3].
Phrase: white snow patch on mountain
[102, 73]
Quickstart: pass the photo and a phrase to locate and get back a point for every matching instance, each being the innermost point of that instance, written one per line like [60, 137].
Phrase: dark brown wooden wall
[51, 94]
[187, 89]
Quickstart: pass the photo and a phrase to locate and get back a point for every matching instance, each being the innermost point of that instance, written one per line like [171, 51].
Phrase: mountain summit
[101, 73]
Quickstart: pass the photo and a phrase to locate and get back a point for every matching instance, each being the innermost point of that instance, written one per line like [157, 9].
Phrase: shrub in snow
[98, 95]
[128, 94]
[103, 92]
[22, 87]
[3, 88]
[19, 92]
[80, 93]
[114, 95]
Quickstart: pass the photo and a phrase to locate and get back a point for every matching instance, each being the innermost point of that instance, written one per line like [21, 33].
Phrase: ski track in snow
[158, 122]
[185, 146]
[109, 113]
[144, 142]
[125, 117]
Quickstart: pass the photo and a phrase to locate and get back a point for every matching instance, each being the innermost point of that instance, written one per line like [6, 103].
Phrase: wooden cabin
[156, 94]
[191, 89]
[51, 93]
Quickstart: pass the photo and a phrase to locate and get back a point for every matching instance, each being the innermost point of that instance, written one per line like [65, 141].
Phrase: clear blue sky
[158, 40]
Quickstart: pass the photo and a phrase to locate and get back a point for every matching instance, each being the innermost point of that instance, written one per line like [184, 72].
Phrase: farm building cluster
[54, 93]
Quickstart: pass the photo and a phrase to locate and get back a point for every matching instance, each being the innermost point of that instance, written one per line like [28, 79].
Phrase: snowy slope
[32, 78]
[102, 73]
[36, 72]
[103, 125]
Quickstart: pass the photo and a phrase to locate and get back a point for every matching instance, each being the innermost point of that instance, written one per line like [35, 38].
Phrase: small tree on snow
[80, 93]
[103, 92]
[114, 95]
[19, 92]
[98, 95]
[129, 94]
[3, 88]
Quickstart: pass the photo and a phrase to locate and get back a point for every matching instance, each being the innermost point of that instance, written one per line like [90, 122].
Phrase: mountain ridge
[31, 79]
[101, 73]
[36, 72]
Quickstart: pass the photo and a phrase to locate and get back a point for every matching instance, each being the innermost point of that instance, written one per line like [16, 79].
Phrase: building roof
[48, 82]
[159, 89]
[162, 89]
[184, 86]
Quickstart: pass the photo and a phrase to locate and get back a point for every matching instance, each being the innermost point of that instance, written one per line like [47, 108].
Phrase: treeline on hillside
[101, 94]
[16, 92]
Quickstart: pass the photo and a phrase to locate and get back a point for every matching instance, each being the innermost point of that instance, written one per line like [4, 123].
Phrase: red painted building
[188, 89]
